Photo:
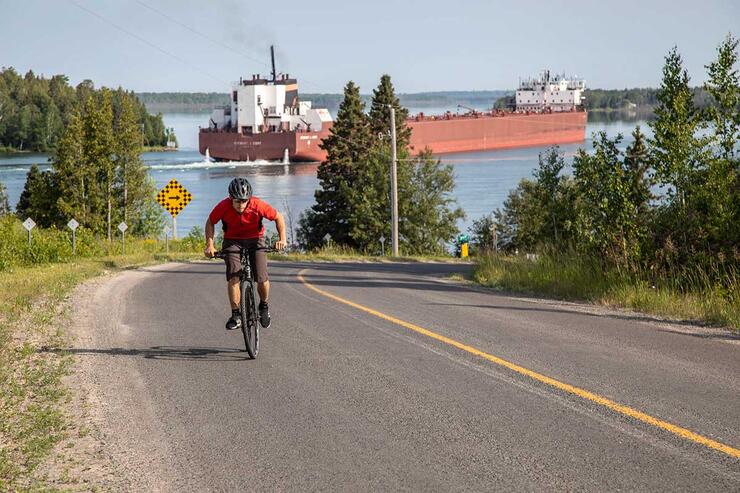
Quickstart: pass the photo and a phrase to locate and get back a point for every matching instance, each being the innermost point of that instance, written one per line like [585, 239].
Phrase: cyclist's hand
[280, 245]
[210, 251]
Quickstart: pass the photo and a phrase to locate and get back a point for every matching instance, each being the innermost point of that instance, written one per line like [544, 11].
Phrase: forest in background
[34, 110]
[596, 100]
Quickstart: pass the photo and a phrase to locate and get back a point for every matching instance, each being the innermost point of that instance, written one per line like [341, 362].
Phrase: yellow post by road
[464, 250]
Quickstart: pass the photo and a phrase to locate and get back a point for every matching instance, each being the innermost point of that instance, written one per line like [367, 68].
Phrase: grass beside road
[343, 254]
[32, 396]
[696, 297]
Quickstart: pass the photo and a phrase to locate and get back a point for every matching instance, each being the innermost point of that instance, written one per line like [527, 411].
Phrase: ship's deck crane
[472, 110]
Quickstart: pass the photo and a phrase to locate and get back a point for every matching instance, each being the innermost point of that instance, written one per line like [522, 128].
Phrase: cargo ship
[266, 120]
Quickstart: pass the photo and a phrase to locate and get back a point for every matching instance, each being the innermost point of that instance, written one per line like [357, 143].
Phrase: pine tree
[637, 164]
[346, 146]
[39, 197]
[370, 215]
[383, 97]
[370, 206]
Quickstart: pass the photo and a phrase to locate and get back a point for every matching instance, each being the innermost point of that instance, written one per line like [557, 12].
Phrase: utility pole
[394, 185]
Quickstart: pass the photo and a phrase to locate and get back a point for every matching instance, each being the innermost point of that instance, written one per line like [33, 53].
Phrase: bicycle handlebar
[222, 254]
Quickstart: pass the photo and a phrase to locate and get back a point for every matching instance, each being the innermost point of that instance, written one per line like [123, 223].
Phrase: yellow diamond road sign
[174, 197]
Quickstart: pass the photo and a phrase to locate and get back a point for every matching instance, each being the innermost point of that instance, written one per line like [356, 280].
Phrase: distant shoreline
[7, 151]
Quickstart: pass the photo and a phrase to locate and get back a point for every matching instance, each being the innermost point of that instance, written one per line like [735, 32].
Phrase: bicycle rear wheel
[250, 327]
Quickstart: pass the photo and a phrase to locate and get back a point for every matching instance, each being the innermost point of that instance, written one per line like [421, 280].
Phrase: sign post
[122, 228]
[29, 225]
[394, 185]
[167, 230]
[73, 225]
[327, 239]
[174, 197]
[382, 245]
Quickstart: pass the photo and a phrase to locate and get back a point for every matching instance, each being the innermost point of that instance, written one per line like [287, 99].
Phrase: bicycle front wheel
[250, 327]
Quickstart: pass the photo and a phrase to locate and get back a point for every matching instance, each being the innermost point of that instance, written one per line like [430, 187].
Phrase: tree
[146, 216]
[131, 179]
[548, 184]
[677, 153]
[608, 224]
[39, 197]
[637, 164]
[430, 220]
[719, 199]
[76, 176]
[520, 222]
[481, 233]
[353, 203]
[346, 146]
[723, 84]
[98, 146]
[384, 96]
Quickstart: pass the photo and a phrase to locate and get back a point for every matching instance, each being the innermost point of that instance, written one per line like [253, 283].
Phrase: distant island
[34, 111]
[637, 99]
[203, 102]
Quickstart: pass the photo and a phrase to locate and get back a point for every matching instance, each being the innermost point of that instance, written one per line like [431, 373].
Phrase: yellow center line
[585, 394]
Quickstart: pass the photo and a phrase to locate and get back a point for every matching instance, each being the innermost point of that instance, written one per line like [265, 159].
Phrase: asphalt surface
[341, 399]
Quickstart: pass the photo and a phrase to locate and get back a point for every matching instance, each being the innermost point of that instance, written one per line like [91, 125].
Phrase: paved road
[343, 399]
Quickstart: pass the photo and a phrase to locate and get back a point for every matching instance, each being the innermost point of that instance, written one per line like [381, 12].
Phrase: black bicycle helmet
[239, 188]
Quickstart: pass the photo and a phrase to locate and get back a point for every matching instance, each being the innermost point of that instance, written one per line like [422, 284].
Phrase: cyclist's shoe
[264, 315]
[235, 322]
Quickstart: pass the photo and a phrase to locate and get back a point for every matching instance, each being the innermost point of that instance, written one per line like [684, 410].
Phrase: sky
[430, 45]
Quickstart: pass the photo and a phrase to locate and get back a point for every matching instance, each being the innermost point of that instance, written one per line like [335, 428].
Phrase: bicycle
[247, 304]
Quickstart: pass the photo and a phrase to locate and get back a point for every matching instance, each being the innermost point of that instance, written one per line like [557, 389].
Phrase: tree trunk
[109, 208]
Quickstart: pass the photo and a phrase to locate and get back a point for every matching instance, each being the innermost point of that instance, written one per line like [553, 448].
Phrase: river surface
[482, 179]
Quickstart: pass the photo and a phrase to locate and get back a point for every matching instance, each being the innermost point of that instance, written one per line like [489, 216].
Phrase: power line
[215, 41]
[146, 42]
[204, 36]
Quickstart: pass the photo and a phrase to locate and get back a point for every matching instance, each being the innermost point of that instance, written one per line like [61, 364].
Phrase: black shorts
[257, 259]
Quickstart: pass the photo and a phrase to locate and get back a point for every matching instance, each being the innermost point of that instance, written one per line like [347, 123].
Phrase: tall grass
[710, 295]
[34, 280]
[342, 253]
[52, 246]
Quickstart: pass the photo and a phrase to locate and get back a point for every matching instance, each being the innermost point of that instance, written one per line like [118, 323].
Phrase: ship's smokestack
[272, 56]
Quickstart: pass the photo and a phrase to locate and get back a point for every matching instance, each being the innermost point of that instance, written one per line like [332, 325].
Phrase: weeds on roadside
[711, 297]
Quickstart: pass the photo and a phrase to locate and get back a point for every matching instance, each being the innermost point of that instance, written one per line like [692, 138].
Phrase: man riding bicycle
[241, 215]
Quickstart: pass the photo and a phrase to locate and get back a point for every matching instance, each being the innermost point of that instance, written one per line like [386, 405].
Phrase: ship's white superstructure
[259, 105]
[545, 93]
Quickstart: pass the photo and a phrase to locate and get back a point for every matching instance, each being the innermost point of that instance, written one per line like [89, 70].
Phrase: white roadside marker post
[29, 225]
[394, 185]
[122, 228]
[73, 225]
[167, 230]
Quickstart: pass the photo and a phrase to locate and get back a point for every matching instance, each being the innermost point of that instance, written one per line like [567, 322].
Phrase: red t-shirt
[244, 226]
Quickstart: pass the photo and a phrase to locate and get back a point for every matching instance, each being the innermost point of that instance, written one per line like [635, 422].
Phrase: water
[483, 179]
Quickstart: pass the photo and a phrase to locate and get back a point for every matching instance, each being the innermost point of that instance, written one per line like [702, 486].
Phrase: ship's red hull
[441, 134]
[231, 146]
